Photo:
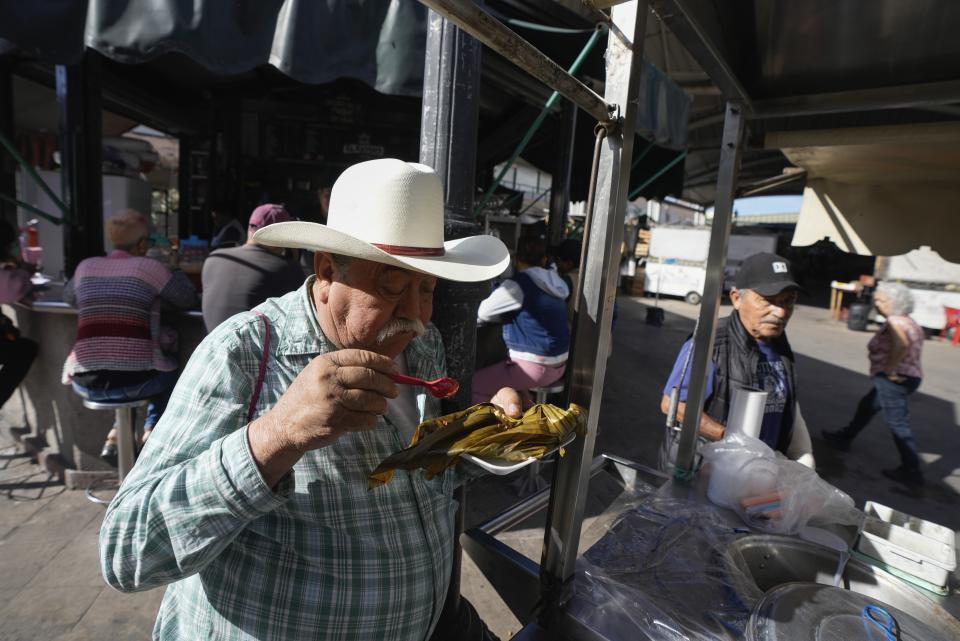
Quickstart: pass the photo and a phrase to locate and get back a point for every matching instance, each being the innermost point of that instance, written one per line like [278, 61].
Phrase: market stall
[716, 582]
[712, 580]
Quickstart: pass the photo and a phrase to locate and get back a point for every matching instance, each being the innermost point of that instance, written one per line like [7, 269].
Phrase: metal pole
[34, 210]
[713, 287]
[30, 171]
[448, 143]
[183, 187]
[487, 29]
[595, 306]
[8, 180]
[78, 96]
[560, 187]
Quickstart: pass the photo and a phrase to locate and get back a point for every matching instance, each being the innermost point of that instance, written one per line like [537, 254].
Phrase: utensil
[439, 388]
[834, 542]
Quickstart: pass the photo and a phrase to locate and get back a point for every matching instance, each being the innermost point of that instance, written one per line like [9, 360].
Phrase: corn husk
[485, 431]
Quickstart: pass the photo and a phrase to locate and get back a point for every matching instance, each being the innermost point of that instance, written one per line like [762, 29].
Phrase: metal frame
[592, 327]
[900, 97]
[713, 287]
[681, 17]
[697, 25]
[493, 33]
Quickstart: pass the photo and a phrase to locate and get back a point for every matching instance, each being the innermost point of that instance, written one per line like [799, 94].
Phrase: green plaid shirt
[320, 556]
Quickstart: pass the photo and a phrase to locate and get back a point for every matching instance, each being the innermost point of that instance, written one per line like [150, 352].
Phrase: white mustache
[398, 326]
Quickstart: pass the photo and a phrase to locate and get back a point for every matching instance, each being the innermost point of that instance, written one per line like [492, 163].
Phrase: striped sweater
[118, 299]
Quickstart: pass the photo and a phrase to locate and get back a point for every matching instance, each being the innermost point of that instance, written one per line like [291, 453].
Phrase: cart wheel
[693, 298]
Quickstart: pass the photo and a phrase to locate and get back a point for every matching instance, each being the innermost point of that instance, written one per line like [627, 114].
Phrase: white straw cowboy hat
[391, 211]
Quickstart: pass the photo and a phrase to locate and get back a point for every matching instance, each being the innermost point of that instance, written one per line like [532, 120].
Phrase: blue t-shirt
[773, 380]
[771, 373]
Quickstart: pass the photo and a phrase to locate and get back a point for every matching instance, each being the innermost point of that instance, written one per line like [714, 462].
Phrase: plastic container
[907, 543]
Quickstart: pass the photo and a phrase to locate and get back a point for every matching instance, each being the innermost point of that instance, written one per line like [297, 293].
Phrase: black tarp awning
[315, 42]
[379, 42]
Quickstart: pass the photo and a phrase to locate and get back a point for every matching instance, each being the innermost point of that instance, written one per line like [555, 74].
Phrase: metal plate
[813, 612]
[501, 467]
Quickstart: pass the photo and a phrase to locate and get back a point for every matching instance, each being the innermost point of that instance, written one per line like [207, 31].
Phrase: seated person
[531, 306]
[751, 350]
[240, 278]
[117, 355]
[16, 353]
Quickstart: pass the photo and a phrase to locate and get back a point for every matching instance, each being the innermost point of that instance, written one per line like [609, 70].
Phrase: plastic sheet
[663, 572]
[769, 491]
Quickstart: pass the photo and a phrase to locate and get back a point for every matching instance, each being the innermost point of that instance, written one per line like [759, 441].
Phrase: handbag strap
[263, 366]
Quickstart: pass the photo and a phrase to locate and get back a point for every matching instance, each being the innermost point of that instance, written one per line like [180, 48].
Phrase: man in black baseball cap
[751, 350]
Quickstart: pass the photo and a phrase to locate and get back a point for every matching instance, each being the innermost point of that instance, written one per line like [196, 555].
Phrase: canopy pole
[660, 172]
[8, 180]
[81, 179]
[592, 336]
[730, 149]
[30, 171]
[560, 187]
[33, 210]
[448, 143]
[493, 33]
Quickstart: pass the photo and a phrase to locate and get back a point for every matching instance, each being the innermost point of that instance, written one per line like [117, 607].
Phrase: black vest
[736, 356]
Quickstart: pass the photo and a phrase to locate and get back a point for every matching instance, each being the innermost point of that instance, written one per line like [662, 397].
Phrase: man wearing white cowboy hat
[251, 500]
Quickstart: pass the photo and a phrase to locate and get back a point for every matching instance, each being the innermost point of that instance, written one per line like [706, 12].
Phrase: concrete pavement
[49, 575]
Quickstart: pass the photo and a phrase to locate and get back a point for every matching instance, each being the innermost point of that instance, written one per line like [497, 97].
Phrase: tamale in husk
[485, 431]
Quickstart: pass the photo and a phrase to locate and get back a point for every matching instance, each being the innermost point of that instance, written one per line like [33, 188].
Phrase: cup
[746, 411]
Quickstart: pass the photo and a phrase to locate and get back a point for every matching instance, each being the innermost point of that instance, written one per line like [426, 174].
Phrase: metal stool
[125, 412]
[532, 482]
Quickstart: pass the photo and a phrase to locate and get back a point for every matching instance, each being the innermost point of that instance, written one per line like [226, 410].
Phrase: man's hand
[508, 399]
[710, 429]
[340, 392]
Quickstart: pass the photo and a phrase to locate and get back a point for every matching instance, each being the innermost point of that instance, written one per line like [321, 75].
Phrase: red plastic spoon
[440, 388]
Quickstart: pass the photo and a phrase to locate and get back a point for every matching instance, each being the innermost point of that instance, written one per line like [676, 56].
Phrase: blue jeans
[157, 389]
[893, 399]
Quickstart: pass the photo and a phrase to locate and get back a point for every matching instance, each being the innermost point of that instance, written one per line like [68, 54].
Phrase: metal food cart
[832, 73]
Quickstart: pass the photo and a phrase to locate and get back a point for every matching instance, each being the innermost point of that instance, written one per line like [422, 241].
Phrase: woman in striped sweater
[117, 355]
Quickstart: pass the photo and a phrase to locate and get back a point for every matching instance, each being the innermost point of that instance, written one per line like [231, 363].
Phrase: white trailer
[677, 262]
[933, 281]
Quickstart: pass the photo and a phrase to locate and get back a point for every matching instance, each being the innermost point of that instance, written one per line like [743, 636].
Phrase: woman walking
[894, 353]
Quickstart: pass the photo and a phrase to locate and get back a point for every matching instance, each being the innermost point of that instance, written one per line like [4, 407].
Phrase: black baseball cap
[767, 274]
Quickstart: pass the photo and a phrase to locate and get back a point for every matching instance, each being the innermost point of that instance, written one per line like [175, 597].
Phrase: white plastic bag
[769, 491]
